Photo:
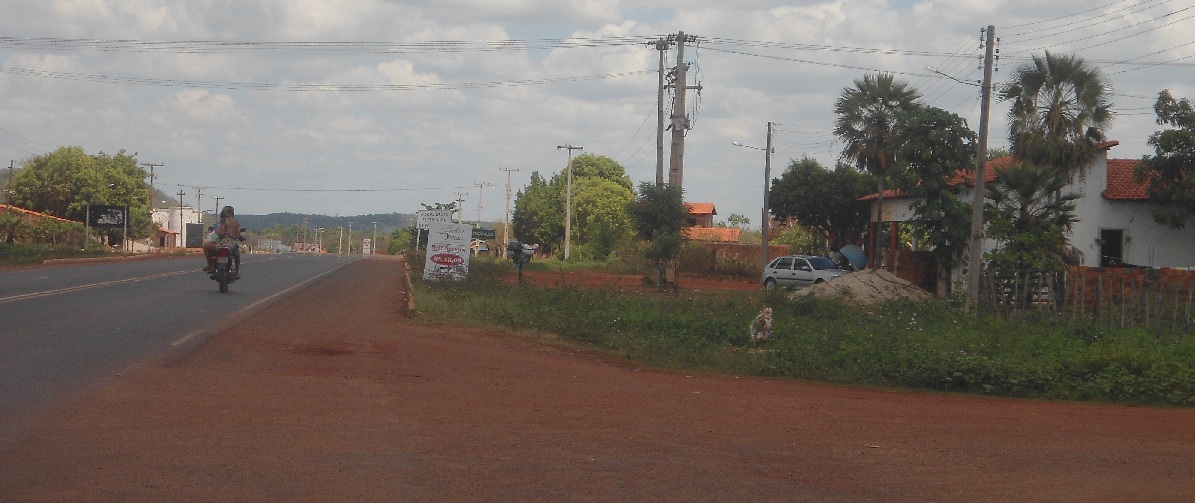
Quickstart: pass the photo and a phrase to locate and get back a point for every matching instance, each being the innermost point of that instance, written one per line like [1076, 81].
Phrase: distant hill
[386, 221]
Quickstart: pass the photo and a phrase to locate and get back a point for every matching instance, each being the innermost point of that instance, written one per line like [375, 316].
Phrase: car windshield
[822, 263]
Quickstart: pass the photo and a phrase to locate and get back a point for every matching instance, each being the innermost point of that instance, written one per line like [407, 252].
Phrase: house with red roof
[699, 225]
[1115, 225]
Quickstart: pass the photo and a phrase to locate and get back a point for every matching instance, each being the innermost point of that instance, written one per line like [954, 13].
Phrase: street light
[767, 175]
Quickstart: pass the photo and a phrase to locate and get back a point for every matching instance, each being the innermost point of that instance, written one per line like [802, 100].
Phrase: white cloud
[451, 138]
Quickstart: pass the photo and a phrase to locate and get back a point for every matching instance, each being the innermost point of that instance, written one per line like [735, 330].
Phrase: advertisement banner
[107, 216]
[424, 219]
[447, 252]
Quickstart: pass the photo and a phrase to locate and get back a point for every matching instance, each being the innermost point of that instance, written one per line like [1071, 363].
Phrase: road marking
[47, 293]
[234, 317]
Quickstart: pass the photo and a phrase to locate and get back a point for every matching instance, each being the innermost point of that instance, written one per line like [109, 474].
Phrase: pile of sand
[866, 287]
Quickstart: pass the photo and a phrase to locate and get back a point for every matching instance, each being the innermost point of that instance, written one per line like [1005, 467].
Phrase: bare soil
[335, 395]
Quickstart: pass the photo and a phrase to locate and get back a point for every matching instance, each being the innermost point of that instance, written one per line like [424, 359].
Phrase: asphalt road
[65, 328]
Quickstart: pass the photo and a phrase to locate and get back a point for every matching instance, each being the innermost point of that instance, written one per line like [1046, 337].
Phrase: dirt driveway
[332, 395]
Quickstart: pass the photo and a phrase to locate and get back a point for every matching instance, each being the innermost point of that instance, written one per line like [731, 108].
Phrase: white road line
[47, 293]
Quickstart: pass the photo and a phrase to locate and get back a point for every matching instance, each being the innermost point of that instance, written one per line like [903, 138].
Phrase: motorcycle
[227, 269]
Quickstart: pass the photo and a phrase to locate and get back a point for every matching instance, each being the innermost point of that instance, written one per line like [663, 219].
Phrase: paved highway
[66, 327]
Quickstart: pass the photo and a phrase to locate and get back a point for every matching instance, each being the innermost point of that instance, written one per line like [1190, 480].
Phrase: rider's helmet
[226, 212]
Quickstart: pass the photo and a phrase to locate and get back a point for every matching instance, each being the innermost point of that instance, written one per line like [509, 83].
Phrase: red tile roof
[32, 213]
[1121, 185]
[719, 234]
[701, 208]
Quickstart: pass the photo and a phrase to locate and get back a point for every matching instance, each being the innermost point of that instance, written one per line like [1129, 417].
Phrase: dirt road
[332, 395]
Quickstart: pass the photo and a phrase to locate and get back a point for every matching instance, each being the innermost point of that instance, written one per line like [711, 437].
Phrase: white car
[799, 271]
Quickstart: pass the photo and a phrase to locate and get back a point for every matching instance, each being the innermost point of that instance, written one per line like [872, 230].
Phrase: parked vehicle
[799, 271]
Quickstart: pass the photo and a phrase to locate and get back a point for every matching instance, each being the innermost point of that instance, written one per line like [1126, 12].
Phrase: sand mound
[867, 286]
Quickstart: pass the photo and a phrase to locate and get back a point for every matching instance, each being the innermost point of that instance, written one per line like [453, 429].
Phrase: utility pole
[181, 234]
[975, 247]
[199, 202]
[460, 206]
[568, 198]
[765, 225]
[350, 238]
[506, 216]
[662, 45]
[217, 211]
[480, 190]
[373, 248]
[340, 244]
[680, 121]
[151, 167]
[8, 186]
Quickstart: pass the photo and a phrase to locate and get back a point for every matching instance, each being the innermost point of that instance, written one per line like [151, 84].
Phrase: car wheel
[819, 281]
[769, 283]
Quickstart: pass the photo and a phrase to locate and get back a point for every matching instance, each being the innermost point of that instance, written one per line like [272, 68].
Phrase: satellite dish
[855, 255]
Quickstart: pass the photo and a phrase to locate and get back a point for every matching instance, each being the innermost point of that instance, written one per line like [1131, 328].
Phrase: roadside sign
[447, 252]
[483, 233]
[107, 216]
[424, 219]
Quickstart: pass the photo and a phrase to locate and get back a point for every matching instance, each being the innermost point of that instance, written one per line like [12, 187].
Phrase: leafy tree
[62, 183]
[1028, 217]
[658, 213]
[1059, 109]
[933, 146]
[866, 116]
[737, 220]
[539, 214]
[539, 207]
[600, 210]
[1168, 174]
[822, 200]
[12, 226]
[400, 239]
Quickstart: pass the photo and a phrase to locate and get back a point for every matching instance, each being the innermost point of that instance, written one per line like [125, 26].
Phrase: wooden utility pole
[460, 206]
[506, 221]
[975, 247]
[480, 190]
[766, 217]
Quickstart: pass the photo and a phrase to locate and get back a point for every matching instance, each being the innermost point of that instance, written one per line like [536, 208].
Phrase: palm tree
[1059, 110]
[866, 114]
[1029, 217]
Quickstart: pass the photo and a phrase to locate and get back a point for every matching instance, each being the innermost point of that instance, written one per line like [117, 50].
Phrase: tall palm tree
[1059, 111]
[866, 114]
[1029, 217]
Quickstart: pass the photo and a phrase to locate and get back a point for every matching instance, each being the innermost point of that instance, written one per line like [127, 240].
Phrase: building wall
[169, 218]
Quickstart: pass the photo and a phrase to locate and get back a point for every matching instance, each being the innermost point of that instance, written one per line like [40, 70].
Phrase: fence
[1159, 300]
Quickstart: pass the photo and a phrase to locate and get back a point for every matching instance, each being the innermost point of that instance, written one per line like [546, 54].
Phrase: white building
[1115, 221]
[175, 219]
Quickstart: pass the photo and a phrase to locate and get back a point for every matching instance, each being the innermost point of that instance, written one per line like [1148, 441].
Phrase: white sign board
[367, 246]
[424, 219]
[447, 252]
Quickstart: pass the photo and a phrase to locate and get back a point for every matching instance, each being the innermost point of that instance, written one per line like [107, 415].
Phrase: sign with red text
[447, 252]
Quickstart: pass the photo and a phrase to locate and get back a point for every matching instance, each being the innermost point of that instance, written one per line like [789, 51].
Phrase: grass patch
[919, 345]
[27, 254]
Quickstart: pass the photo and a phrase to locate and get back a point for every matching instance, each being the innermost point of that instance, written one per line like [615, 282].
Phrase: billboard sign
[484, 234]
[447, 252]
[424, 219]
[107, 216]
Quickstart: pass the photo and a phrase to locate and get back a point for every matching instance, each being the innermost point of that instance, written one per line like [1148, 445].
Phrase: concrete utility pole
[199, 203]
[764, 227]
[460, 206]
[480, 190]
[662, 45]
[975, 246]
[373, 248]
[680, 121]
[217, 211]
[350, 238]
[8, 185]
[182, 237]
[340, 244]
[506, 216]
[151, 167]
[568, 198]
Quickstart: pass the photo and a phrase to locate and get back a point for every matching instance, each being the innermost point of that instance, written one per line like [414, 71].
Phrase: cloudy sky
[375, 106]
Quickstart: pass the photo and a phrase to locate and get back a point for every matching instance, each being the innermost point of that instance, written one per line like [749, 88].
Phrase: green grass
[26, 254]
[917, 345]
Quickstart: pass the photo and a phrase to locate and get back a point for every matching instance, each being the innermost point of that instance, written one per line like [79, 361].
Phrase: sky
[376, 106]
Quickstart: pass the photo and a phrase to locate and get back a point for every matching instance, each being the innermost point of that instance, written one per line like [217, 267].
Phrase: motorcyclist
[228, 227]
